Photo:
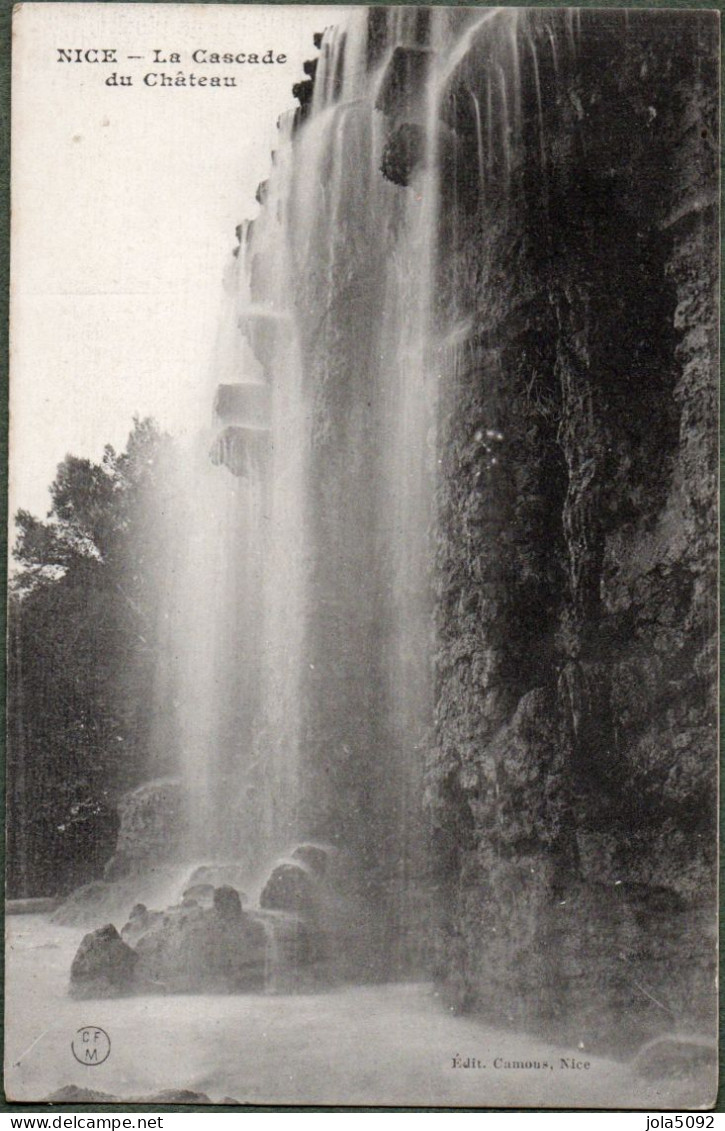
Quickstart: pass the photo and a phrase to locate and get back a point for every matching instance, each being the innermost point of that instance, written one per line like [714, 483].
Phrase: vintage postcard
[363, 606]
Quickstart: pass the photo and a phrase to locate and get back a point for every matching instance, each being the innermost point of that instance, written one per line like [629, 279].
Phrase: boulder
[139, 922]
[191, 949]
[151, 827]
[313, 856]
[104, 965]
[227, 903]
[291, 887]
[200, 894]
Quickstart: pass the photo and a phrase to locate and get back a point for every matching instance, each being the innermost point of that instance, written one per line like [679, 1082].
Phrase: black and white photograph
[363, 543]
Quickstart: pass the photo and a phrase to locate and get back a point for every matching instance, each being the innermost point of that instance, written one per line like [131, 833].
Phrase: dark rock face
[573, 778]
[104, 966]
[403, 85]
[151, 828]
[303, 92]
[403, 153]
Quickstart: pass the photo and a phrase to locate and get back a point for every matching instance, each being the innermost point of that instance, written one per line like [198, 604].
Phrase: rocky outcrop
[573, 775]
[104, 965]
[191, 949]
[209, 943]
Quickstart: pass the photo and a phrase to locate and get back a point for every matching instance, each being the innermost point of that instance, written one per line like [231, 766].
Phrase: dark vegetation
[83, 633]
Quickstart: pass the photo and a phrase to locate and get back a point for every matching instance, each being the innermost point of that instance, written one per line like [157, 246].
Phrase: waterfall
[302, 611]
[309, 708]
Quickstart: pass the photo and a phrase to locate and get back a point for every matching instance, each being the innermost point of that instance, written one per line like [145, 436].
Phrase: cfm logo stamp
[91, 1045]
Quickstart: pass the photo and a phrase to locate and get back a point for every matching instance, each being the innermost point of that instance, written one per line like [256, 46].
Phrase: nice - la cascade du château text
[176, 75]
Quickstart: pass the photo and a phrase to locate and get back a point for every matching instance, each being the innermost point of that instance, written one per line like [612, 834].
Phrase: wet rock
[140, 920]
[402, 84]
[196, 950]
[227, 903]
[151, 827]
[244, 451]
[200, 894]
[303, 92]
[378, 35]
[290, 888]
[313, 857]
[104, 965]
[403, 153]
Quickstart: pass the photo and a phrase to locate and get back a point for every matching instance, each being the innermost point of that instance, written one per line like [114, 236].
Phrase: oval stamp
[91, 1045]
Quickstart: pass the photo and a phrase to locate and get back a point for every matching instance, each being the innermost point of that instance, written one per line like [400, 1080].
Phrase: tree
[83, 647]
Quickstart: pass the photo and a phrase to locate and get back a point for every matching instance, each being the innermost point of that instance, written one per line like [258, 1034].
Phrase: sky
[124, 205]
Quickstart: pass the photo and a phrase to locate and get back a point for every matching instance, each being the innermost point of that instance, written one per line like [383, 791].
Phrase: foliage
[83, 631]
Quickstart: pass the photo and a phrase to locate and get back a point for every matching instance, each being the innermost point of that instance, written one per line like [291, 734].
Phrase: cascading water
[365, 601]
[308, 704]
